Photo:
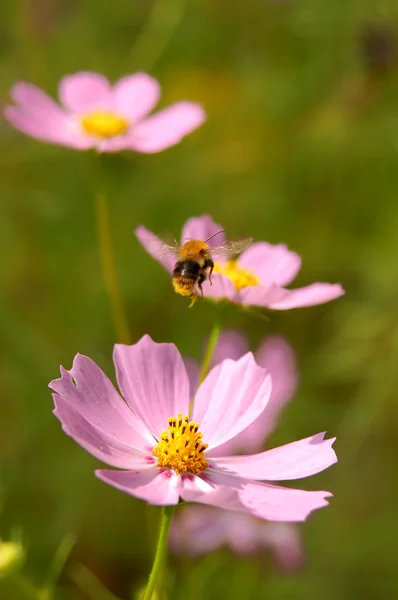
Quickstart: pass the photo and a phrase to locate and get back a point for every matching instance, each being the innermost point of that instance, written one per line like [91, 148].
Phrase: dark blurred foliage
[300, 147]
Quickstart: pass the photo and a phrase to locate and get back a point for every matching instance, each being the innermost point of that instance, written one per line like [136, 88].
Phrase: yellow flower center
[104, 124]
[240, 277]
[181, 447]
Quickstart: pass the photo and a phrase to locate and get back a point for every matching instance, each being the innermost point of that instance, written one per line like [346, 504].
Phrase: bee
[195, 263]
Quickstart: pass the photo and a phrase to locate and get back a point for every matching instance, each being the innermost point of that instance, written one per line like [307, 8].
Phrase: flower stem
[213, 339]
[160, 552]
[109, 268]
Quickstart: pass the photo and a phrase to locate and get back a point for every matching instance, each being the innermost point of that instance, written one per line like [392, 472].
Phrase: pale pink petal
[114, 144]
[259, 295]
[317, 293]
[231, 397]
[231, 344]
[197, 530]
[156, 248]
[272, 264]
[201, 228]
[292, 461]
[102, 445]
[242, 532]
[167, 127]
[39, 116]
[154, 485]
[33, 101]
[277, 356]
[84, 92]
[153, 379]
[89, 392]
[63, 131]
[134, 96]
[221, 288]
[276, 503]
[285, 542]
[264, 501]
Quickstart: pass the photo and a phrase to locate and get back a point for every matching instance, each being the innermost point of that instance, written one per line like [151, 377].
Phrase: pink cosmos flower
[165, 455]
[95, 114]
[258, 277]
[199, 530]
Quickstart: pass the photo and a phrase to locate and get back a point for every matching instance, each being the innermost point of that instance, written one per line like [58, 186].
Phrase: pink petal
[114, 144]
[134, 96]
[259, 295]
[90, 393]
[285, 542]
[197, 530]
[39, 116]
[221, 288]
[201, 228]
[264, 501]
[272, 264]
[317, 293]
[104, 446]
[231, 344]
[292, 461]
[167, 127]
[276, 503]
[84, 92]
[156, 248]
[154, 485]
[153, 379]
[277, 356]
[61, 131]
[230, 398]
[36, 103]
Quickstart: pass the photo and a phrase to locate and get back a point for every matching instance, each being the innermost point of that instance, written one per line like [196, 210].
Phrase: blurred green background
[300, 147]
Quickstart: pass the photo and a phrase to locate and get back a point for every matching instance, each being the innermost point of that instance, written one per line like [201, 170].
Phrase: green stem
[160, 552]
[213, 339]
[109, 269]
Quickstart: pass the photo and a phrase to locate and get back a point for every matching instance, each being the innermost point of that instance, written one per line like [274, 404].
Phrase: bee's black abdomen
[187, 269]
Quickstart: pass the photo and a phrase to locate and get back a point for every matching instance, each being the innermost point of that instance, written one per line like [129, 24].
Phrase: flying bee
[195, 262]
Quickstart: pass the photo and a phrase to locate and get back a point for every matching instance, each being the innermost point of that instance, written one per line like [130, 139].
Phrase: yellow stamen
[181, 447]
[104, 124]
[240, 277]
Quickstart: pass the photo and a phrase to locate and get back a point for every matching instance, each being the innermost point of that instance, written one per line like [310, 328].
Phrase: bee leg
[201, 279]
[194, 297]
[209, 264]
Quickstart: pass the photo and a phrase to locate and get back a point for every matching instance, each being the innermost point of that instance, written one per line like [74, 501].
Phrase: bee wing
[230, 248]
[158, 248]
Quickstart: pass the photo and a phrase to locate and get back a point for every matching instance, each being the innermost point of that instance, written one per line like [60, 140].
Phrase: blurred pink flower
[256, 278]
[165, 456]
[94, 114]
[199, 530]
[275, 355]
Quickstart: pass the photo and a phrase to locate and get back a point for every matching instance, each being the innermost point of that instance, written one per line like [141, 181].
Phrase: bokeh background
[300, 147]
